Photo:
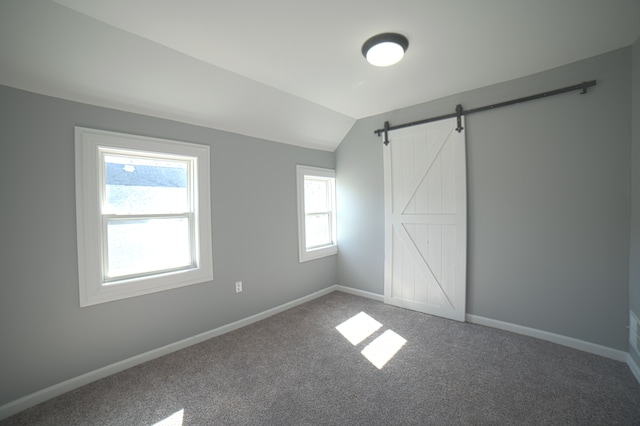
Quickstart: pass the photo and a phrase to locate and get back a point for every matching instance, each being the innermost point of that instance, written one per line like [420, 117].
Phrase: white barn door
[426, 219]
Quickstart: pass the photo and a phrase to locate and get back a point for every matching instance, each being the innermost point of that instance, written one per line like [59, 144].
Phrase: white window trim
[88, 216]
[316, 253]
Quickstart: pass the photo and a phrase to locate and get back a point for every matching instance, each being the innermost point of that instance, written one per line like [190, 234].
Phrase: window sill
[318, 253]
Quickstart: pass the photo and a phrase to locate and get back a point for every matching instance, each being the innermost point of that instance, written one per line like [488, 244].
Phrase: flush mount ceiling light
[385, 49]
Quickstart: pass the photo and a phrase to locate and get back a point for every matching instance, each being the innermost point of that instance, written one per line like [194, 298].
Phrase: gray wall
[46, 337]
[634, 258]
[548, 201]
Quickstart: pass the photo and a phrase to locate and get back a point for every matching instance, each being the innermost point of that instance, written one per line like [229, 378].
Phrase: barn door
[426, 219]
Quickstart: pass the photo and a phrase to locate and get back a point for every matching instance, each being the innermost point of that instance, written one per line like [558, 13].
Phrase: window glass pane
[144, 245]
[317, 230]
[315, 195]
[136, 185]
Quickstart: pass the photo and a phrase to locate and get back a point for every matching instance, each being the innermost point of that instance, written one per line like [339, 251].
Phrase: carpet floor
[385, 366]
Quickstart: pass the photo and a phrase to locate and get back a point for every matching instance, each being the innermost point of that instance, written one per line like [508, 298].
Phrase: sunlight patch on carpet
[358, 328]
[173, 420]
[383, 348]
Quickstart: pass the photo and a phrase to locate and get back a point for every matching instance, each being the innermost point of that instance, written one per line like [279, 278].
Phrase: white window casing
[187, 220]
[316, 212]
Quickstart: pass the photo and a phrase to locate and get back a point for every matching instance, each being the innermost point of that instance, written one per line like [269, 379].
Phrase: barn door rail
[459, 112]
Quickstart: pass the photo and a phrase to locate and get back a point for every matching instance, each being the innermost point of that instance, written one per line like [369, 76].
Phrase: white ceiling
[291, 71]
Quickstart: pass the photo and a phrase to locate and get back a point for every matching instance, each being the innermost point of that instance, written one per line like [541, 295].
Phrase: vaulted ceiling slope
[291, 71]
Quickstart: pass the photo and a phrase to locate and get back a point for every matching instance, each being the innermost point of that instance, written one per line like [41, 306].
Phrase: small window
[316, 212]
[143, 214]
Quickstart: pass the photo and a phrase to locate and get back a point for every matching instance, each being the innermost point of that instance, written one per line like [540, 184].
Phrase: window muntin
[143, 211]
[316, 212]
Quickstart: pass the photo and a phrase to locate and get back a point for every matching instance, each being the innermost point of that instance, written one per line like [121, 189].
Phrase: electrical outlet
[238, 286]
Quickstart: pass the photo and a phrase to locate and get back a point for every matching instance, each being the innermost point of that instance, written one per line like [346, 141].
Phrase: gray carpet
[295, 368]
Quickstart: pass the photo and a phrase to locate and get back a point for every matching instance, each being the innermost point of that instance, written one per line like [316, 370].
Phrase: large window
[316, 212]
[143, 214]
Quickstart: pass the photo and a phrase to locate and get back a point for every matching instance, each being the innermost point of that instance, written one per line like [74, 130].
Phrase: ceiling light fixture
[385, 49]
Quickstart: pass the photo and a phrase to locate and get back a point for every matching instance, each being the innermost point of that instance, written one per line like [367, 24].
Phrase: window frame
[90, 148]
[305, 254]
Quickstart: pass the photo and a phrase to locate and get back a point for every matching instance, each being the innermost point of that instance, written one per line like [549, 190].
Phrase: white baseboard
[35, 398]
[361, 293]
[593, 348]
[635, 369]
